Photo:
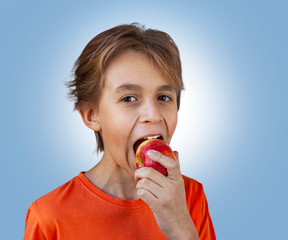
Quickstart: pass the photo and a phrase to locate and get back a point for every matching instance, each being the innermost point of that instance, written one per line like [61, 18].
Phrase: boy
[127, 87]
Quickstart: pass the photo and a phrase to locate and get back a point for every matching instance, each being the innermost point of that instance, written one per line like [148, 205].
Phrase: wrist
[188, 230]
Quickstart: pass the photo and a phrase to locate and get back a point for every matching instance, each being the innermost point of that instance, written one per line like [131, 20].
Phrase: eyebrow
[166, 88]
[127, 86]
[134, 87]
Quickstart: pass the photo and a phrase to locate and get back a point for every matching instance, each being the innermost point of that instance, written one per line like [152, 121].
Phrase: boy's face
[136, 102]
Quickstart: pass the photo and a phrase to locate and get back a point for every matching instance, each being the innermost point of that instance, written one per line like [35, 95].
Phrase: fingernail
[153, 154]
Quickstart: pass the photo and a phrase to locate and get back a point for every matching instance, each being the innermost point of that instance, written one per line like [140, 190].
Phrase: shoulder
[194, 191]
[46, 212]
[54, 201]
[59, 192]
[198, 207]
[191, 185]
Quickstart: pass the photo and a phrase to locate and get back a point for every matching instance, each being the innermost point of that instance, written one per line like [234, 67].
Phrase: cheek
[116, 127]
[112, 132]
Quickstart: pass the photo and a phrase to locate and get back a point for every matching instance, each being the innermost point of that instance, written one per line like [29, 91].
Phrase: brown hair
[89, 69]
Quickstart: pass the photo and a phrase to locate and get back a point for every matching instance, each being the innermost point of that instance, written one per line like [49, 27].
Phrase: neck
[113, 180]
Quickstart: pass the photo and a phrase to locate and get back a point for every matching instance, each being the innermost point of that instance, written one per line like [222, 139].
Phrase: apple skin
[142, 159]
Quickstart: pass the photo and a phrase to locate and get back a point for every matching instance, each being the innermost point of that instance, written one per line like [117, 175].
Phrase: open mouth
[138, 142]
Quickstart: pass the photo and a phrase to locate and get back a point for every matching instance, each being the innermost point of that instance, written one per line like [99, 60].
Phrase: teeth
[152, 137]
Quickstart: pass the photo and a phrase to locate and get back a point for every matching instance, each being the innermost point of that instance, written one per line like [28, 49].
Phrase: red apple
[142, 159]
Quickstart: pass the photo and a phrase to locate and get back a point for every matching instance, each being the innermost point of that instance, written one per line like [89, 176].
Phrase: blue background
[232, 134]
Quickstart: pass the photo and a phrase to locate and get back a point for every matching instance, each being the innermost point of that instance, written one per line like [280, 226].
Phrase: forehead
[132, 68]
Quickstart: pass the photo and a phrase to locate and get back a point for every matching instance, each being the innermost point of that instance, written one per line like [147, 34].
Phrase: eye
[164, 98]
[128, 99]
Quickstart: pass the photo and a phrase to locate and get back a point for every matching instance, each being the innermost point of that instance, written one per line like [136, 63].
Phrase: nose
[150, 112]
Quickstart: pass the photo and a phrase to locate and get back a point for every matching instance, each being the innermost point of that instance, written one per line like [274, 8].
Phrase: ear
[90, 118]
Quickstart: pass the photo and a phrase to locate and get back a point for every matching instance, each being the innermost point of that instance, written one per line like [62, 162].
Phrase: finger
[152, 174]
[151, 186]
[176, 154]
[172, 165]
[147, 197]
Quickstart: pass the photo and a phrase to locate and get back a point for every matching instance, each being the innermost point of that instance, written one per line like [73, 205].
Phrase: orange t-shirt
[79, 210]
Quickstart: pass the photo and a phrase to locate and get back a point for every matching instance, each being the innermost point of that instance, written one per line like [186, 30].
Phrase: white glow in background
[202, 115]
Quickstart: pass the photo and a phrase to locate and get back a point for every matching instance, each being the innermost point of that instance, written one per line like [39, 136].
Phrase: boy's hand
[166, 197]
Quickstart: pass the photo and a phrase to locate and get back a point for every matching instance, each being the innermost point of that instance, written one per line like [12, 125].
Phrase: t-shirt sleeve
[206, 231]
[33, 228]
[198, 208]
